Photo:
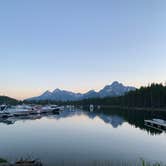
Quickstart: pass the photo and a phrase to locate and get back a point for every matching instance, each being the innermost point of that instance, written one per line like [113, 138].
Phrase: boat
[91, 107]
[35, 110]
[49, 109]
[19, 110]
[158, 124]
[27, 110]
[3, 111]
[61, 108]
[3, 107]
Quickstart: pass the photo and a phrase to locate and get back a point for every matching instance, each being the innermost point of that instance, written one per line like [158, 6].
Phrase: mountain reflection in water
[114, 117]
[83, 136]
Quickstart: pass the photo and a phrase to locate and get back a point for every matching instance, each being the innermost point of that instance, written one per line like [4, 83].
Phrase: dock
[14, 112]
[157, 124]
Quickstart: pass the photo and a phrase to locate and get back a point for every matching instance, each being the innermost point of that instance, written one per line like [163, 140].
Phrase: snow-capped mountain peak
[114, 89]
[47, 93]
[56, 90]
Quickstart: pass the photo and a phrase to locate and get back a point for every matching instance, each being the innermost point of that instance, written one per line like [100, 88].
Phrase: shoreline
[135, 108]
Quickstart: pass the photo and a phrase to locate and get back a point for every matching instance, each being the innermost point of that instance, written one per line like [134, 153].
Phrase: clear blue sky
[80, 44]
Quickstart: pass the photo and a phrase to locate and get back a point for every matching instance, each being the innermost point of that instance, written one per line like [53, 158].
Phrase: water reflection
[114, 117]
[79, 135]
[136, 118]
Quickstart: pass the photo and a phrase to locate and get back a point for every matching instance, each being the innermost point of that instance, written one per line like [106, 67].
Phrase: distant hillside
[8, 100]
[114, 89]
[153, 96]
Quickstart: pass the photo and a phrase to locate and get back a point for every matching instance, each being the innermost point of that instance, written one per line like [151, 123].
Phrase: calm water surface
[82, 136]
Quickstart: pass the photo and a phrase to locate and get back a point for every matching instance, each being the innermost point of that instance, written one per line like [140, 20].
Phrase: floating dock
[157, 124]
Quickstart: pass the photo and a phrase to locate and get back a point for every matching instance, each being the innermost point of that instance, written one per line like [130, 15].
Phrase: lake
[82, 136]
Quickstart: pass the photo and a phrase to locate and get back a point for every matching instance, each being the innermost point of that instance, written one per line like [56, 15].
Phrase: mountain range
[114, 89]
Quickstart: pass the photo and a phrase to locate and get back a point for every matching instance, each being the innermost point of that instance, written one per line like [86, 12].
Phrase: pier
[158, 124]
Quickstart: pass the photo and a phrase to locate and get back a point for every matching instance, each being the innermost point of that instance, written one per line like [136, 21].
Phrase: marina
[71, 136]
[26, 110]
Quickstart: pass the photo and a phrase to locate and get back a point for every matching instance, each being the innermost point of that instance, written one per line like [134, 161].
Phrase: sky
[80, 45]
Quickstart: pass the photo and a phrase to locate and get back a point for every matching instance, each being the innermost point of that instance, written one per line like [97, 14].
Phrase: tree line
[152, 96]
[8, 101]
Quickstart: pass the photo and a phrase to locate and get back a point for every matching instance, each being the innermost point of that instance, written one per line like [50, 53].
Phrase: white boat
[3, 111]
[91, 107]
[158, 124]
[61, 108]
[26, 110]
[3, 107]
[49, 109]
[19, 110]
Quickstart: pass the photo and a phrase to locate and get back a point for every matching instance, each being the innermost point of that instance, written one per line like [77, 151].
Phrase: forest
[9, 100]
[151, 96]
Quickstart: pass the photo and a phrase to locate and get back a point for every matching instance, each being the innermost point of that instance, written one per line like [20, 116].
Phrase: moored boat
[27, 110]
[3, 111]
[19, 110]
[3, 107]
[91, 107]
[49, 109]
